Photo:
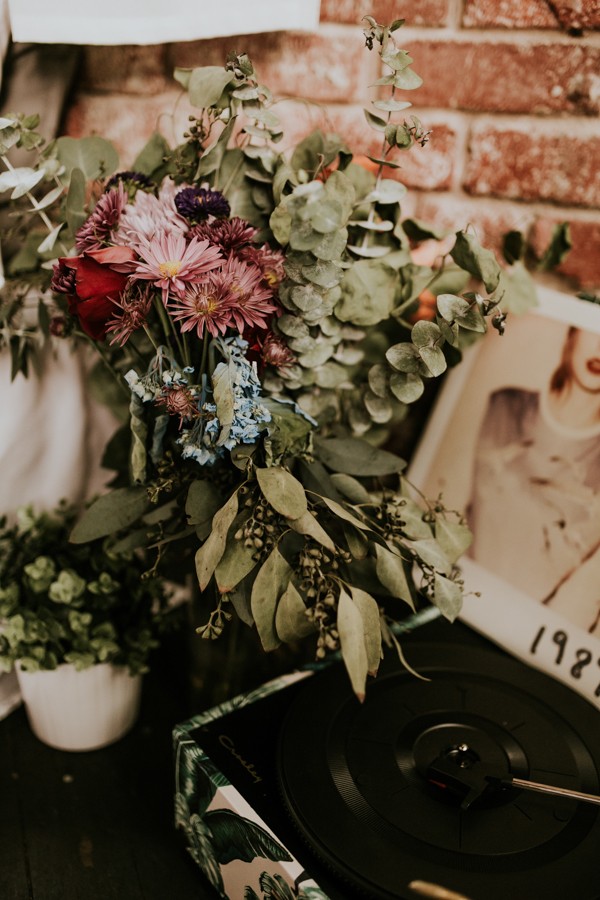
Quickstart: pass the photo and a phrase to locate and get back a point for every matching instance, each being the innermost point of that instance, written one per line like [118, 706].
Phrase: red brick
[508, 14]
[534, 164]
[416, 12]
[582, 263]
[332, 65]
[539, 76]
[128, 122]
[577, 15]
[126, 69]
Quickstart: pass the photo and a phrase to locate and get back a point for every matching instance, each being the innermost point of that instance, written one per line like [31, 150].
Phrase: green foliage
[63, 602]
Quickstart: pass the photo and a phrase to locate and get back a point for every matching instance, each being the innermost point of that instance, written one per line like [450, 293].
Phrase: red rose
[97, 285]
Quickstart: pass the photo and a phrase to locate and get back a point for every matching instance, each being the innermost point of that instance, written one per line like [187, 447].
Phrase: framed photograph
[514, 443]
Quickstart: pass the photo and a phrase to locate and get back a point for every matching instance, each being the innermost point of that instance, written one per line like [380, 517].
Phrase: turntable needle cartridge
[460, 771]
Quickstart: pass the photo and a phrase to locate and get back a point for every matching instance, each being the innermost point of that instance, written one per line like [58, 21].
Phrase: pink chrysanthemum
[171, 264]
[269, 261]
[95, 233]
[149, 216]
[206, 305]
[228, 234]
[131, 312]
[250, 299]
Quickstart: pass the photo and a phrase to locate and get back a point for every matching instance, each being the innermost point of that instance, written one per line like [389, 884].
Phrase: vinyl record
[411, 785]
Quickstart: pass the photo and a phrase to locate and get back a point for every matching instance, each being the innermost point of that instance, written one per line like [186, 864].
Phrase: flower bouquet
[257, 313]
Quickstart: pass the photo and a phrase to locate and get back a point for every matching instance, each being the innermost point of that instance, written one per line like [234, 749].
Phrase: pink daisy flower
[172, 264]
[205, 305]
[250, 299]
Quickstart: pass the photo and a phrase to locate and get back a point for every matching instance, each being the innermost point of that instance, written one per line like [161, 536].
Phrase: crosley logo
[226, 741]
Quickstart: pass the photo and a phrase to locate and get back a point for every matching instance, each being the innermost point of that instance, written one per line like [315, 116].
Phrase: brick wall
[511, 93]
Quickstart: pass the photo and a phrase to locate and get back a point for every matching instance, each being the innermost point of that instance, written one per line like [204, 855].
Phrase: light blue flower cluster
[158, 379]
[208, 440]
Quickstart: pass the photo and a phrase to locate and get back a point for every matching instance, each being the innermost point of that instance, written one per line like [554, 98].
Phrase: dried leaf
[352, 642]
[391, 573]
[210, 553]
[282, 491]
[291, 621]
[369, 610]
[271, 581]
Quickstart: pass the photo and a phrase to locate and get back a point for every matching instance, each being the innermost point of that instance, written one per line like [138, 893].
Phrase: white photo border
[537, 634]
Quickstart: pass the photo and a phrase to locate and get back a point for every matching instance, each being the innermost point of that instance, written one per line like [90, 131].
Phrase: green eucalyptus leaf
[352, 643]
[237, 561]
[374, 121]
[20, 180]
[481, 263]
[50, 240]
[96, 157]
[210, 553]
[434, 359]
[517, 289]
[151, 156]
[110, 513]
[223, 394]
[391, 572]
[202, 502]
[272, 579]
[310, 526]
[379, 408]
[291, 620]
[205, 85]
[353, 456]
[405, 358]
[406, 386]
[432, 554]
[75, 211]
[282, 491]
[368, 292]
[407, 80]
[447, 596]
[342, 513]
[369, 610]
[350, 488]
[387, 191]
[391, 105]
[454, 538]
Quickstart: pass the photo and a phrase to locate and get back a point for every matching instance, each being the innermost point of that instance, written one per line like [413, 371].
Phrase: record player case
[298, 790]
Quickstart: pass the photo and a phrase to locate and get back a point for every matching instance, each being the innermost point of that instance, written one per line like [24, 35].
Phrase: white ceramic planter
[85, 710]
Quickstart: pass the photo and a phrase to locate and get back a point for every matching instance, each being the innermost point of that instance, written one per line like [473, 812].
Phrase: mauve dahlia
[96, 231]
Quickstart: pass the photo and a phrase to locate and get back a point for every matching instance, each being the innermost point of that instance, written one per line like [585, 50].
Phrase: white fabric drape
[154, 21]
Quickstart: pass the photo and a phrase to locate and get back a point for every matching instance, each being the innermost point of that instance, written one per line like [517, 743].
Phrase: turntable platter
[407, 787]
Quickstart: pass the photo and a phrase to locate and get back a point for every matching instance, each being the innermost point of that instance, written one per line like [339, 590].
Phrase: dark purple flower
[197, 204]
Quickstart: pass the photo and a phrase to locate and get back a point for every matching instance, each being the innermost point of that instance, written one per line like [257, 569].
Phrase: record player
[481, 782]
[478, 780]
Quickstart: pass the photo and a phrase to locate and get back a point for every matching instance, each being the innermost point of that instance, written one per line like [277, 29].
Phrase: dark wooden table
[97, 825]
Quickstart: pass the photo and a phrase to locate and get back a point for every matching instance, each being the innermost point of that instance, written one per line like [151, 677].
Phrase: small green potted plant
[78, 623]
